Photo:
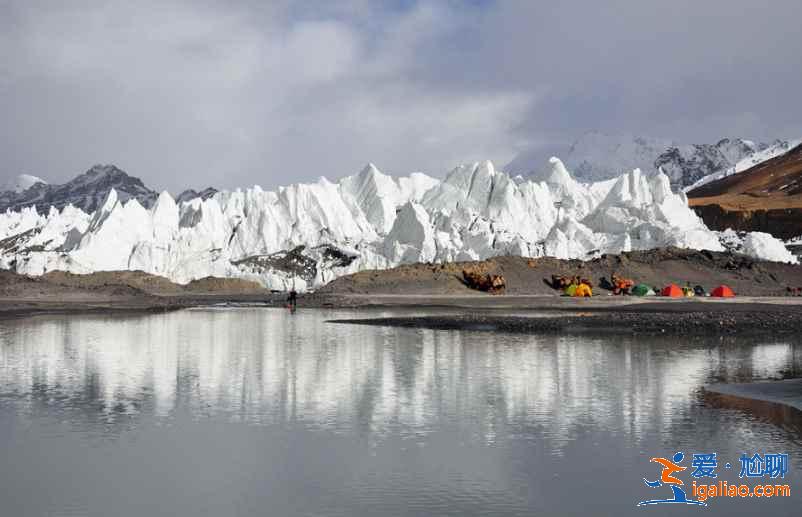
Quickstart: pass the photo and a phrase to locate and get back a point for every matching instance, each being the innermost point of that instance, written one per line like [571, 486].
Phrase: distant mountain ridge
[594, 156]
[86, 191]
[597, 156]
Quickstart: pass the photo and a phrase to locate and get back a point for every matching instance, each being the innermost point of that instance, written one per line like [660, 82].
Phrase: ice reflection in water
[492, 421]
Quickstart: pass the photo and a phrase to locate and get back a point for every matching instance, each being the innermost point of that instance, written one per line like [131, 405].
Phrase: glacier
[304, 235]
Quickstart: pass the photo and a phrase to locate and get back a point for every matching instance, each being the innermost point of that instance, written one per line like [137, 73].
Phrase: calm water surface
[259, 412]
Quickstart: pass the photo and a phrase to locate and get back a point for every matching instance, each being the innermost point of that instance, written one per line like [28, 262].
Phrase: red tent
[722, 291]
[672, 290]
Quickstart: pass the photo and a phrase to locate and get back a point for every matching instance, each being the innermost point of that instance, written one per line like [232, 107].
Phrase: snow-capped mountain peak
[112, 176]
[88, 191]
[593, 156]
[21, 183]
[597, 156]
[762, 154]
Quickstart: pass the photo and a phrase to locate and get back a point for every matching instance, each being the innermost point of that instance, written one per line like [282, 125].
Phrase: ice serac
[319, 214]
[570, 195]
[305, 235]
[644, 213]
[165, 218]
[467, 187]
[572, 239]
[116, 229]
[414, 186]
[412, 237]
[153, 253]
[376, 194]
[758, 244]
[476, 199]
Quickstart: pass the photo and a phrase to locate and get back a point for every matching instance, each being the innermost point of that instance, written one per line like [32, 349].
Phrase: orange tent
[672, 290]
[722, 291]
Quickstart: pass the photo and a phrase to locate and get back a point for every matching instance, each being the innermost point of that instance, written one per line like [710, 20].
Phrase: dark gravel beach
[748, 319]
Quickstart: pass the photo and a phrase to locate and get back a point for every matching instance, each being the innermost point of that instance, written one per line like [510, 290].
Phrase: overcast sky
[232, 94]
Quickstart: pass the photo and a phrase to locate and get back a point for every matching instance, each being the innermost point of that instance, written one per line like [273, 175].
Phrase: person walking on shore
[292, 300]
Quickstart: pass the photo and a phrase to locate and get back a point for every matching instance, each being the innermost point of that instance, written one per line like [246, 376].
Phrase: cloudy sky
[236, 93]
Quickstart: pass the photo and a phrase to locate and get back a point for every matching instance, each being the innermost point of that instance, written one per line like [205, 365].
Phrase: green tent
[570, 290]
[642, 290]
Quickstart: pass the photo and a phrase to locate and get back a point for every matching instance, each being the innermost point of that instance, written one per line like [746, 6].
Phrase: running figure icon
[667, 478]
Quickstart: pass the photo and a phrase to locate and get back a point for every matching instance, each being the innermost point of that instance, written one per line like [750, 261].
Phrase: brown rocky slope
[118, 291]
[766, 198]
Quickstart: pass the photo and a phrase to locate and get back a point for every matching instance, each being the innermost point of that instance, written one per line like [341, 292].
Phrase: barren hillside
[766, 197]
[524, 276]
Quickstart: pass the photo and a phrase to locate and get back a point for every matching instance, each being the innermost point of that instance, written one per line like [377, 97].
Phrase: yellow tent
[583, 290]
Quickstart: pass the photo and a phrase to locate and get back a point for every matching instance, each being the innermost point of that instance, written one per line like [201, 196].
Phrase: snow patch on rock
[759, 244]
[21, 183]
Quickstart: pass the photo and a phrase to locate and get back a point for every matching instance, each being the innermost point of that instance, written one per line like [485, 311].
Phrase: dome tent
[570, 290]
[642, 290]
[672, 291]
[583, 290]
[722, 291]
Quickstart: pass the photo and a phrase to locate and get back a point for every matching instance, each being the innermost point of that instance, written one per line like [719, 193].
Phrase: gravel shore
[746, 319]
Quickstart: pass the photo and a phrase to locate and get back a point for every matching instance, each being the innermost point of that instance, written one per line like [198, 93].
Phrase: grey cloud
[192, 94]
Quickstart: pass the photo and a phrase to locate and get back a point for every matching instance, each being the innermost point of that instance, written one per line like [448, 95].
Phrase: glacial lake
[258, 412]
